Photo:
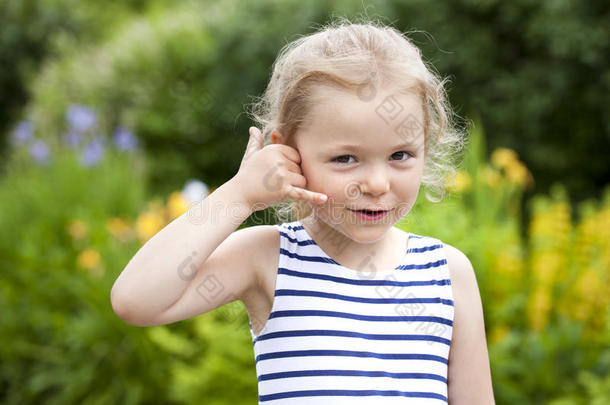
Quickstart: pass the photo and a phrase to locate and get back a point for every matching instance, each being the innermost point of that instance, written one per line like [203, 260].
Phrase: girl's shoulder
[267, 240]
[459, 265]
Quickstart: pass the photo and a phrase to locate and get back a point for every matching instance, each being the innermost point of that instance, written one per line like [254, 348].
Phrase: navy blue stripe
[309, 293]
[424, 249]
[349, 393]
[350, 373]
[318, 259]
[350, 353]
[298, 242]
[374, 318]
[287, 272]
[422, 266]
[320, 332]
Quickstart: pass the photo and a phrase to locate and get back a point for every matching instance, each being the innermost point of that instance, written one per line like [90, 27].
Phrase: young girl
[344, 307]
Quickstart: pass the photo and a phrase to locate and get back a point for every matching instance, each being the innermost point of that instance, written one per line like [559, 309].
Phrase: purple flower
[23, 132]
[73, 138]
[80, 118]
[124, 139]
[39, 151]
[92, 153]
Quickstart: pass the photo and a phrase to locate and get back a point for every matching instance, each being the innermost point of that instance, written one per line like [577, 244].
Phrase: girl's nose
[376, 182]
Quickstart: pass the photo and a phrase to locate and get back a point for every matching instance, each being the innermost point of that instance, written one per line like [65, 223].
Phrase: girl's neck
[384, 254]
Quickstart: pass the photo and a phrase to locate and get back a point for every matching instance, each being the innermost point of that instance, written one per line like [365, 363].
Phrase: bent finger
[297, 193]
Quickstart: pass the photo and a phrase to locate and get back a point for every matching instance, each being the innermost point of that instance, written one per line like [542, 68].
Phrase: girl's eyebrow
[351, 147]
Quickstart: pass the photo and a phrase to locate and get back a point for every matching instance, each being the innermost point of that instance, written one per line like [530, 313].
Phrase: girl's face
[363, 152]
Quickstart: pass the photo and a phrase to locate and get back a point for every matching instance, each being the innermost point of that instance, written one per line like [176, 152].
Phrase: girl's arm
[469, 376]
[198, 263]
[148, 291]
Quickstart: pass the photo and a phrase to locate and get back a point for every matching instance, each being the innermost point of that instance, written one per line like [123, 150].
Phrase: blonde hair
[357, 56]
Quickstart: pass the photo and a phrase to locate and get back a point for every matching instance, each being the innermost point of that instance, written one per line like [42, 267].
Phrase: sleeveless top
[337, 335]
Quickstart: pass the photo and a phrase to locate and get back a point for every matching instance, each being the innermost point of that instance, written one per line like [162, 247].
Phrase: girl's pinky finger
[316, 198]
[298, 193]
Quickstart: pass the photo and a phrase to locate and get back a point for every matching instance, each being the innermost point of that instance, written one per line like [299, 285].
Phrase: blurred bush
[65, 213]
[180, 78]
[33, 31]
[537, 73]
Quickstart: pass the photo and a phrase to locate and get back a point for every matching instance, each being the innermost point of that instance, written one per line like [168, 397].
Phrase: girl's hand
[271, 174]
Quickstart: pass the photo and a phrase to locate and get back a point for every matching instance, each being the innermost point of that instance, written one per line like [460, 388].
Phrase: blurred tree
[33, 30]
[183, 75]
[538, 74]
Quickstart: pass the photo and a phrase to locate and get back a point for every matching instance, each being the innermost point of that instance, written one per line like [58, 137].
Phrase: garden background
[108, 109]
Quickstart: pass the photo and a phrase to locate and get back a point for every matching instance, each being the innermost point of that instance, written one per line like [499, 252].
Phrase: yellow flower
[176, 205]
[491, 177]
[539, 306]
[460, 182]
[78, 229]
[88, 259]
[148, 224]
[508, 263]
[502, 157]
[118, 228]
[517, 173]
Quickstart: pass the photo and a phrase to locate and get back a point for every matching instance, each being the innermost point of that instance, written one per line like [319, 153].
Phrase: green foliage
[34, 31]
[61, 342]
[182, 74]
[224, 372]
[597, 390]
[180, 78]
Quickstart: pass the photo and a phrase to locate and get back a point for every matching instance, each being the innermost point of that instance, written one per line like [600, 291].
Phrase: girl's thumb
[256, 139]
[255, 143]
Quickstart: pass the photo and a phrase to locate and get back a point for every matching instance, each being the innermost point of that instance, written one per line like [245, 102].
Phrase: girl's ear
[277, 137]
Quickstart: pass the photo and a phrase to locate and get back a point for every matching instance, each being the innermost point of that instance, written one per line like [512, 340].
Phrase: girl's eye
[341, 159]
[406, 154]
[338, 158]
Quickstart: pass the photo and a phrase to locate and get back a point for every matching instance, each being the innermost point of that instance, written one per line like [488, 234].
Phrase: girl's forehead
[341, 115]
[350, 104]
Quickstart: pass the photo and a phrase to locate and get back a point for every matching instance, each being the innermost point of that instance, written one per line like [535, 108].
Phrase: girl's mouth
[369, 215]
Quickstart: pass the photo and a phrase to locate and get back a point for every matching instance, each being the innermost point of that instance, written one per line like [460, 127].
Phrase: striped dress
[337, 335]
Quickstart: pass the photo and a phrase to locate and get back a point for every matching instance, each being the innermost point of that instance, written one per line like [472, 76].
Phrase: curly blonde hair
[358, 56]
